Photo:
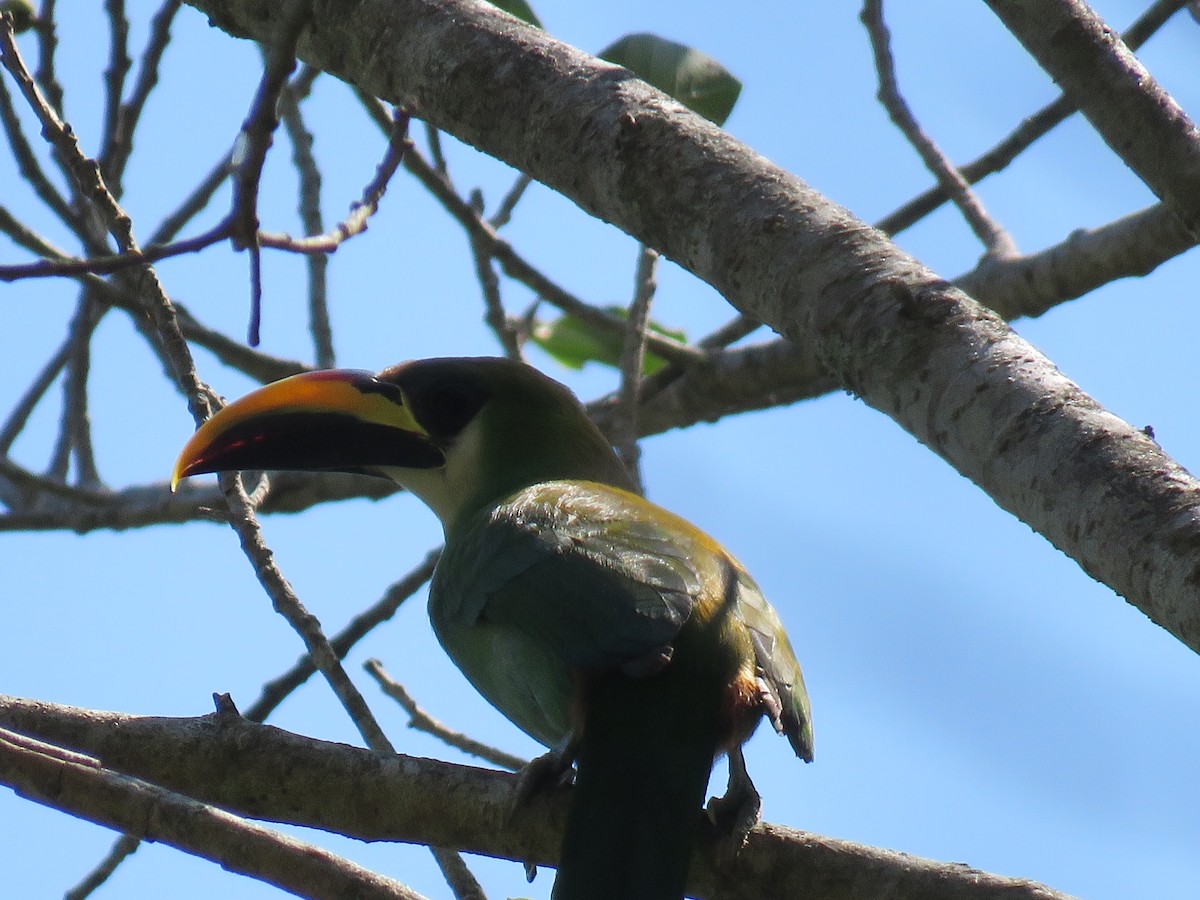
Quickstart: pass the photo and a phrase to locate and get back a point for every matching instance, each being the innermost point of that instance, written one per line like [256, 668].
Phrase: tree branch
[64, 780]
[996, 241]
[267, 773]
[1030, 129]
[1134, 115]
[890, 330]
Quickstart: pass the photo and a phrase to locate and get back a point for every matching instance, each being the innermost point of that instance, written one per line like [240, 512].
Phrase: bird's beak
[337, 420]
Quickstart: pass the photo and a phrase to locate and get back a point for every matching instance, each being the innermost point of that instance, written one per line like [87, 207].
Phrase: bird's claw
[738, 811]
[543, 773]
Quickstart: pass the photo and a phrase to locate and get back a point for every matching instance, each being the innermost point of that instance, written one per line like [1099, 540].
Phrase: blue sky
[976, 697]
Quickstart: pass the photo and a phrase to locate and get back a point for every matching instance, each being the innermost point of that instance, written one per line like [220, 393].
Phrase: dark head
[458, 432]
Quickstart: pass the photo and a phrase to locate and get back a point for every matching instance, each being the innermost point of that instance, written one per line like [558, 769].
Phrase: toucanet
[607, 628]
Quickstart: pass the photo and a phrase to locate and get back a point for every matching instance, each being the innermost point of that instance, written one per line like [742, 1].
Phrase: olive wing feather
[579, 567]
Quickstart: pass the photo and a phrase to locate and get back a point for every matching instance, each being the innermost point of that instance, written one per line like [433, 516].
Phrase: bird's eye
[447, 407]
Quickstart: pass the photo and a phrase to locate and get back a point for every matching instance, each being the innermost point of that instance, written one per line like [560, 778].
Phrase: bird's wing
[583, 568]
[781, 683]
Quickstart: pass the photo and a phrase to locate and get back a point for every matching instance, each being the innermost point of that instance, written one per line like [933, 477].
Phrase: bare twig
[22, 235]
[47, 47]
[995, 239]
[461, 880]
[194, 203]
[76, 425]
[27, 162]
[496, 318]
[304, 623]
[309, 178]
[119, 65]
[254, 142]
[516, 266]
[633, 357]
[509, 202]
[275, 690]
[1131, 111]
[360, 211]
[259, 126]
[729, 333]
[1030, 285]
[434, 139]
[122, 848]
[91, 185]
[107, 265]
[422, 721]
[1032, 128]
[118, 136]
[23, 409]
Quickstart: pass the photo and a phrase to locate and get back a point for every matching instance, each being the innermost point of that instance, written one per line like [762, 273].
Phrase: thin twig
[1130, 110]
[76, 428]
[24, 407]
[22, 235]
[47, 48]
[995, 239]
[1032, 128]
[115, 220]
[275, 690]
[122, 848]
[27, 163]
[513, 264]
[305, 624]
[118, 141]
[434, 138]
[509, 202]
[257, 130]
[83, 171]
[361, 210]
[119, 65]
[462, 882]
[194, 203]
[633, 357]
[254, 142]
[107, 265]
[489, 283]
[422, 721]
[730, 333]
[309, 189]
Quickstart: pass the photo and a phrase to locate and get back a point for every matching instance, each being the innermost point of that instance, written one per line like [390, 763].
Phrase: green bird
[605, 627]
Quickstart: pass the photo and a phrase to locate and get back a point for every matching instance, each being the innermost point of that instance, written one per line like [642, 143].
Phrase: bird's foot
[739, 809]
[548, 771]
[543, 773]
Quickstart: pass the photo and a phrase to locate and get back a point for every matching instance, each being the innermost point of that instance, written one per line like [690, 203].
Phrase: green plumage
[572, 595]
[643, 763]
[593, 619]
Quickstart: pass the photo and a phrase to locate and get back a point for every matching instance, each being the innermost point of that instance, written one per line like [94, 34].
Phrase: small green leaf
[573, 343]
[693, 78]
[520, 9]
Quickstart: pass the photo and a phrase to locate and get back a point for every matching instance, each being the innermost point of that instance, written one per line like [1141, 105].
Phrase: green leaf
[520, 9]
[573, 343]
[693, 78]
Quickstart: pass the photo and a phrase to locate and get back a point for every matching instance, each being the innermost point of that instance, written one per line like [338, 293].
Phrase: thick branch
[267, 773]
[889, 329]
[47, 775]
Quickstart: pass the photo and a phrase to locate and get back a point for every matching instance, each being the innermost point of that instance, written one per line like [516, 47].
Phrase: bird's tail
[644, 758]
